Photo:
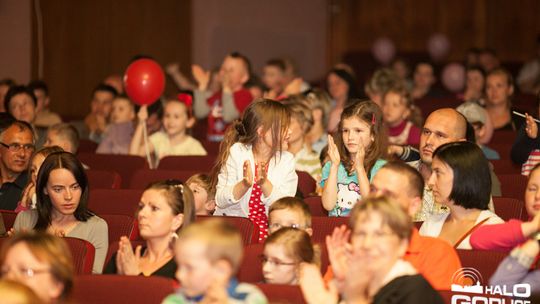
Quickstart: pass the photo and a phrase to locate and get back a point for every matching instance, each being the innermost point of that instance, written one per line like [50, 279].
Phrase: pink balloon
[383, 50]
[453, 77]
[438, 46]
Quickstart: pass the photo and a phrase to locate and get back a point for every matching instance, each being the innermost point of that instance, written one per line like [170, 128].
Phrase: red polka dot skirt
[257, 212]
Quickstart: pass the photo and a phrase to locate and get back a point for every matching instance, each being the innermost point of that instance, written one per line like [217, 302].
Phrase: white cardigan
[281, 174]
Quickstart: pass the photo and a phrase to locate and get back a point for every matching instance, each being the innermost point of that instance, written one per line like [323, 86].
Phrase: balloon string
[145, 136]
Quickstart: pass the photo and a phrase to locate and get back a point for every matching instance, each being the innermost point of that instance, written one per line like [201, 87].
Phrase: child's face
[273, 77]
[122, 111]
[296, 130]
[36, 164]
[54, 139]
[175, 118]
[200, 196]
[278, 267]
[356, 133]
[532, 193]
[394, 109]
[155, 216]
[234, 70]
[278, 219]
[195, 272]
[497, 89]
[268, 141]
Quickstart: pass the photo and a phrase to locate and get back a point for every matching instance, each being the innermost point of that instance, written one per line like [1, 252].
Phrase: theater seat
[508, 208]
[188, 163]
[315, 206]
[83, 253]
[143, 177]
[91, 289]
[486, 262]
[117, 201]
[276, 293]
[125, 165]
[306, 183]
[323, 226]
[103, 179]
[9, 218]
[249, 231]
[120, 225]
[513, 185]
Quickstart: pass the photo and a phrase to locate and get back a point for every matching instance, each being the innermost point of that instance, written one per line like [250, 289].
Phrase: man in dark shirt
[16, 147]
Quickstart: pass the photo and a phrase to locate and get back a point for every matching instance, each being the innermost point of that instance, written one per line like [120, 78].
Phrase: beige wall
[261, 30]
[16, 39]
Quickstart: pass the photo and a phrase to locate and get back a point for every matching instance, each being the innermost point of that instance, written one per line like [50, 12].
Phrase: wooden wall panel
[86, 40]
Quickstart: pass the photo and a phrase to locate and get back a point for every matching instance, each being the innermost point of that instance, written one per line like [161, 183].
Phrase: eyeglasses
[277, 226]
[18, 147]
[274, 262]
[23, 272]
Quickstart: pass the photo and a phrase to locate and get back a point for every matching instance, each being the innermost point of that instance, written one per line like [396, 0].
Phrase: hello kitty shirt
[348, 190]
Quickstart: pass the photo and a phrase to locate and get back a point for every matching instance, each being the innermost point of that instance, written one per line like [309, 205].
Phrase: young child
[63, 135]
[477, 116]
[319, 103]
[274, 78]
[173, 139]
[28, 200]
[208, 254]
[283, 252]
[398, 111]
[289, 212]
[227, 104]
[119, 132]
[254, 166]
[203, 193]
[306, 159]
[355, 157]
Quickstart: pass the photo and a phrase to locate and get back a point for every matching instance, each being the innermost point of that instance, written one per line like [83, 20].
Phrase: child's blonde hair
[265, 113]
[297, 244]
[205, 182]
[318, 99]
[370, 113]
[292, 203]
[221, 239]
[415, 115]
[300, 111]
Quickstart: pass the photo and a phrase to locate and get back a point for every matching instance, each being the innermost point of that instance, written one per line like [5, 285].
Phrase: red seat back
[103, 179]
[505, 166]
[143, 177]
[315, 206]
[114, 201]
[323, 226]
[83, 253]
[513, 185]
[508, 208]
[120, 225]
[485, 262]
[9, 218]
[249, 231]
[188, 163]
[276, 293]
[87, 146]
[121, 289]
[125, 165]
[306, 183]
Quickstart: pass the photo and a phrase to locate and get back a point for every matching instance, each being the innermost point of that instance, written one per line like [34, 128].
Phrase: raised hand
[248, 174]
[143, 114]
[313, 287]
[531, 128]
[294, 87]
[201, 76]
[126, 259]
[338, 248]
[359, 157]
[172, 68]
[333, 152]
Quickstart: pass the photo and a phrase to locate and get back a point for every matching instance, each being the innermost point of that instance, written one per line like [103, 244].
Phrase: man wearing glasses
[16, 148]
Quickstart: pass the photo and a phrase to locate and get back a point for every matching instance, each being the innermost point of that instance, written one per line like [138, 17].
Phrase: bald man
[442, 126]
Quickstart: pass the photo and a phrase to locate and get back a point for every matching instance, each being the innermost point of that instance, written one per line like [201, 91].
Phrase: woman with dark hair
[461, 180]
[165, 208]
[342, 87]
[40, 261]
[62, 199]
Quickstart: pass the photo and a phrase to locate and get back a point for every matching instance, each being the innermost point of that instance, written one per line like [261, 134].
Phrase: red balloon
[144, 81]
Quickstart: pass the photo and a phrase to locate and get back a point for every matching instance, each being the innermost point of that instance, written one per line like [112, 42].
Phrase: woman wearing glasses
[62, 198]
[42, 262]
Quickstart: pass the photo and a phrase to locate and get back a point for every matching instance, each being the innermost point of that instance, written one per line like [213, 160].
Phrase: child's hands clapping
[260, 173]
[248, 174]
[531, 128]
[333, 152]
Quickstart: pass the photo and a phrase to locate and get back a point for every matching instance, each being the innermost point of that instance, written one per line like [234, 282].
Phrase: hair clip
[180, 186]
[187, 100]
[373, 118]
